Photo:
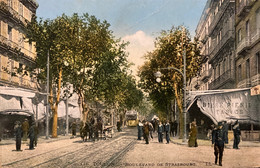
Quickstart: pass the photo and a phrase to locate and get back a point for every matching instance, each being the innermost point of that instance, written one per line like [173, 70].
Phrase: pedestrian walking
[237, 133]
[160, 132]
[225, 128]
[31, 135]
[193, 135]
[25, 128]
[151, 129]
[140, 130]
[175, 126]
[18, 135]
[146, 132]
[64, 128]
[36, 132]
[171, 129]
[167, 131]
[73, 128]
[118, 124]
[218, 141]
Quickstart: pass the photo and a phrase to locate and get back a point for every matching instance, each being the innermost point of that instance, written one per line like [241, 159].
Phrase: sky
[136, 21]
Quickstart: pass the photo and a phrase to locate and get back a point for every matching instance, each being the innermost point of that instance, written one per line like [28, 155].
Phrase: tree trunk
[82, 107]
[178, 95]
[55, 107]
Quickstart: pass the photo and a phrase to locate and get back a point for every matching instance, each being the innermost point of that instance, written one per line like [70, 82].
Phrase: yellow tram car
[131, 118]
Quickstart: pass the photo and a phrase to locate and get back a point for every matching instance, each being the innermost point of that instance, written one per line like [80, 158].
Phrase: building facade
[15, 51]
[247, 43]
[201, 82]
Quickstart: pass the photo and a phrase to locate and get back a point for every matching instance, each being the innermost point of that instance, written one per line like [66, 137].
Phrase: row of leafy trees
[82, 52]
[168, 52]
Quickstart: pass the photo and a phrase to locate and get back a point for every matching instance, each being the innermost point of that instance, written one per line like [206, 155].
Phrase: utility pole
[184, 96]
[67, 118]
[47, 98]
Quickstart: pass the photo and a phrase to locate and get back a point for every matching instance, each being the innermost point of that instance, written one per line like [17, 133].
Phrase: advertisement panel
[230, 106]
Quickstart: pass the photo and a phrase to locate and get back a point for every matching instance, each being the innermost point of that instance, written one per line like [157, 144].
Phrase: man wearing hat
[18, 135]
[218, 140]
[31, 135]
[237, 133]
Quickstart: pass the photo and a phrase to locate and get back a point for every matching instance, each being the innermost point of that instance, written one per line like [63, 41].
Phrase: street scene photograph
[129, 83]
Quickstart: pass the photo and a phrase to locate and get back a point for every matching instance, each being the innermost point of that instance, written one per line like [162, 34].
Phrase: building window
[224, 65]
[20, 8]
[258, 19]
[247, 28]
[247, 68]
[239, 73]
[9, 33]
[30, 46]
[258, 62]
[239, 36]
[10, 3]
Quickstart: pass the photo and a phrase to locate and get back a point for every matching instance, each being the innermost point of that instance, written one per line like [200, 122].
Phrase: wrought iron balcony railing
[218, 16]
[227, 76]
[244, 7]
[228, 34]
[9, 43]
[243, 45]
[12, 13]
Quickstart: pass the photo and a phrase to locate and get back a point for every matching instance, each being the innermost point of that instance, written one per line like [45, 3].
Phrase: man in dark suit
[31, 135]
[218, 140]
[160, 132]
[18, 135]
[237, 133]
[167, 131]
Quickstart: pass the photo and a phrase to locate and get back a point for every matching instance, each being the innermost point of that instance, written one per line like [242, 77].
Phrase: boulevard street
[123, 150]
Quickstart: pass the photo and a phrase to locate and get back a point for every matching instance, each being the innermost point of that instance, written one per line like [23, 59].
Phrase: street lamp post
[47, 98]
[158, 75]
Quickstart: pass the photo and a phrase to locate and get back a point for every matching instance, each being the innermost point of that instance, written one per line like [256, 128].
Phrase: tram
[131, 118]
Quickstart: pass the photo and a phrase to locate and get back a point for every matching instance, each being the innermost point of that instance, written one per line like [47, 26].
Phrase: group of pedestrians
[146, 129]
[23, 131]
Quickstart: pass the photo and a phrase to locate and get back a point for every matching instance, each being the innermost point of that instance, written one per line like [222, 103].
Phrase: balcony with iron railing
[243, 45]
[228, 76]
[247, 42]
[244, 83]
[218, 16]
[9, 11]
[4, 42]
[22, 81]
[255, 37]
[206, 74]
[244, 7]
[228, 34]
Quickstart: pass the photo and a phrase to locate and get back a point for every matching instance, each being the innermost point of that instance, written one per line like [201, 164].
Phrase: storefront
[227, 105]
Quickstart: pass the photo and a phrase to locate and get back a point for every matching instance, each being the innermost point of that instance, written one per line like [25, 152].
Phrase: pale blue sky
[137, 21]
[128, 16]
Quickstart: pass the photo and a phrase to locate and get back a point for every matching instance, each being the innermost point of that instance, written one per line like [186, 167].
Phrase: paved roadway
[123, 150]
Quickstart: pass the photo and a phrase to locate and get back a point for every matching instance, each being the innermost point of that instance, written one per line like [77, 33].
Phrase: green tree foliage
[83, 52]
[169, 47]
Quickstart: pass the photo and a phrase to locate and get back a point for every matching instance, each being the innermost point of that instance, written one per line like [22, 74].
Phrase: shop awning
[228, 105]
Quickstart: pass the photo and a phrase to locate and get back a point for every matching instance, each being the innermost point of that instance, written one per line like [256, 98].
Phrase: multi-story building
[201, 82]
[15, 51]
[229, 34]
[247, 43]
[221, 46]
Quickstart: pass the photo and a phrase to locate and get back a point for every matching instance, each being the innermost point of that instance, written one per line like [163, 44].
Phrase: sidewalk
[202, 142]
